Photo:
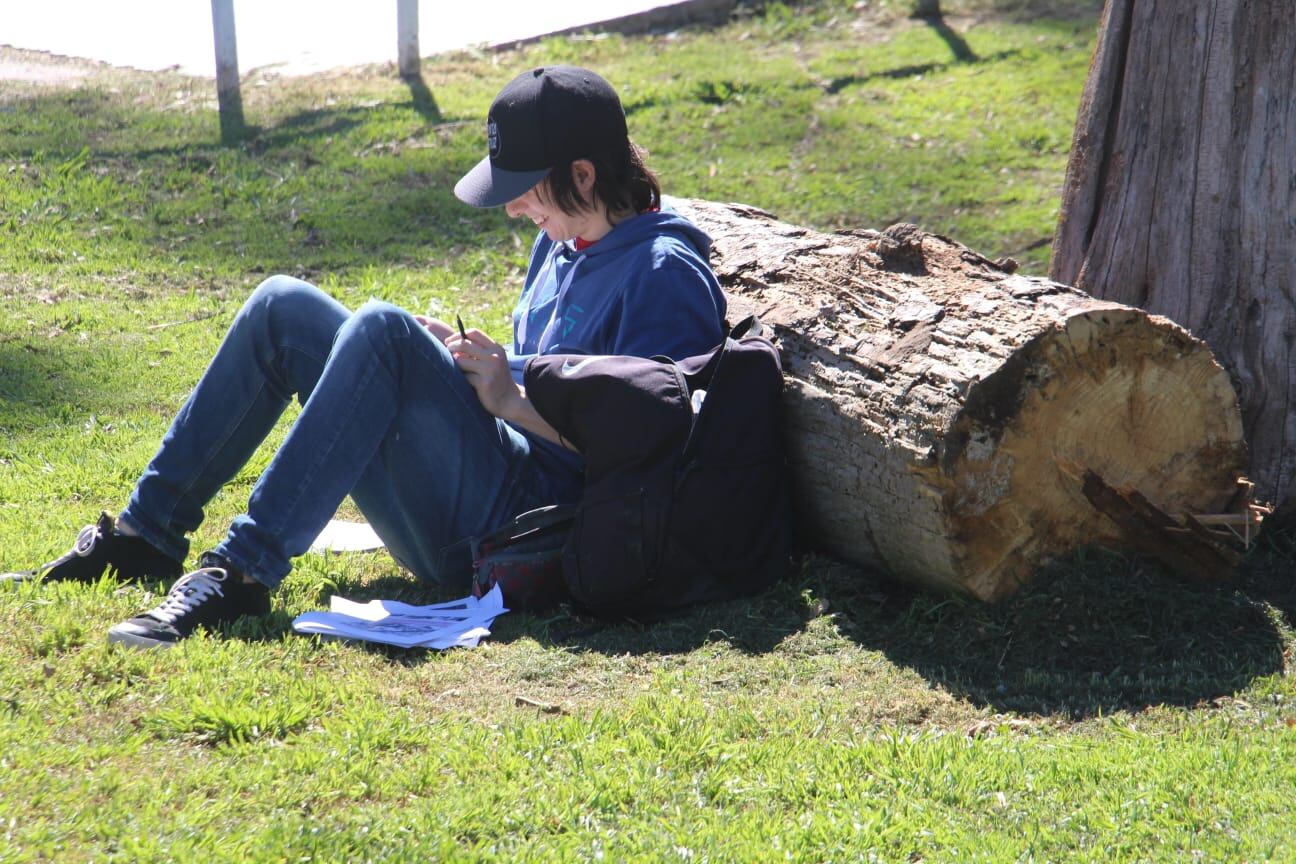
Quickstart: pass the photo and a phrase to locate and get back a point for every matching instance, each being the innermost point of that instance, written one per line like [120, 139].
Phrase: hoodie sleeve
[674, 308]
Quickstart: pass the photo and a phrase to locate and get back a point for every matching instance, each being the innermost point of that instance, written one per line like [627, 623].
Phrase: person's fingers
[438, 328]
[479, 338]
[469, 363]
[476, 350]
[482, 362]
[465, 349]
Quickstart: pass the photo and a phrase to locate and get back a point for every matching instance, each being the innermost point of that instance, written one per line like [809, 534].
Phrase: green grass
[1107, 712]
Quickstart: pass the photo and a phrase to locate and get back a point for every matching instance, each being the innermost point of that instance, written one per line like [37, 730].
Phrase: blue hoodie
[643, 289]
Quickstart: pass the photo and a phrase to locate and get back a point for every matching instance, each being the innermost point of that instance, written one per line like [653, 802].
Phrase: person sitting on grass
[427, 428]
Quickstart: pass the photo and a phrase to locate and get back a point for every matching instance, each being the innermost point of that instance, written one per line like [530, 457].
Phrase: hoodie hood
[637, 228]
[614, 296]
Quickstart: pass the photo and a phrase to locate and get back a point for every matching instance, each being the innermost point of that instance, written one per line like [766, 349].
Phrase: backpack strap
[749, 326]
[746, 328]
[529, 522]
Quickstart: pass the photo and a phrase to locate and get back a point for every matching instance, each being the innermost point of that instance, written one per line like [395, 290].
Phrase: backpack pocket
[730, 527]
[612, 557]
[524, 558]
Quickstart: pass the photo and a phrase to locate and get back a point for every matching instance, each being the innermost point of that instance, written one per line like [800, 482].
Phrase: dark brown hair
[622, 182]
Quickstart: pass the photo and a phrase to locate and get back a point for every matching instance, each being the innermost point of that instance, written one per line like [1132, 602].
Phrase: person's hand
[485, 364]
[435, 326]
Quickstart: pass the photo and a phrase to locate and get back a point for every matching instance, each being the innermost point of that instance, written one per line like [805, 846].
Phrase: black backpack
[686, 492]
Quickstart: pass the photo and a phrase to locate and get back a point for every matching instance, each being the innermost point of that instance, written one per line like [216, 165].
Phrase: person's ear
[583, 174]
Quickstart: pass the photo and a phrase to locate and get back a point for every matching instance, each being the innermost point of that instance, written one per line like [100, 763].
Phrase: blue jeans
[386, 417]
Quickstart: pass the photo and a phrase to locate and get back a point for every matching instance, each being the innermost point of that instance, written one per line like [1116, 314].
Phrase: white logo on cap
[492, 139]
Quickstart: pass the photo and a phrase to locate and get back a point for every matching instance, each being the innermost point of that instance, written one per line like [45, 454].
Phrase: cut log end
[1114, 392]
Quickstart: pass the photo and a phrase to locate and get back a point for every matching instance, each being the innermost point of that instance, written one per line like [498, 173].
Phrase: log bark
[943, 413]
[1179, 196]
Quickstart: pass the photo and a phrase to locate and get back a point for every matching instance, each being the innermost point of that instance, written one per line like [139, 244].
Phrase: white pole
[227, 77]
[407, 47]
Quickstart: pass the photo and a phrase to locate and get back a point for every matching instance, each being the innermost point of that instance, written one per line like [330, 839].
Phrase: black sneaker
[212, 595]
[99, 549]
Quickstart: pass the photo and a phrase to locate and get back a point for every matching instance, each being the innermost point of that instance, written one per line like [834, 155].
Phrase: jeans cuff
[245, 568]
[154, 537]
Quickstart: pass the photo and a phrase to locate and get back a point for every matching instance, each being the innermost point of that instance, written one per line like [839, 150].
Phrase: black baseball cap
[543, 118]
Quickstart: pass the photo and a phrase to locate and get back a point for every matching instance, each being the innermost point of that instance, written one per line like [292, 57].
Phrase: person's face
[537, 206]
[533, 204]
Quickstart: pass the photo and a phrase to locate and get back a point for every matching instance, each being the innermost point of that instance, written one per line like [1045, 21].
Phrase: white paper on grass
[458, 623]
[340, 535]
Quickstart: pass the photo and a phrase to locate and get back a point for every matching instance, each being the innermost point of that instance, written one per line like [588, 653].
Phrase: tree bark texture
[944, 416]
[1180, 195]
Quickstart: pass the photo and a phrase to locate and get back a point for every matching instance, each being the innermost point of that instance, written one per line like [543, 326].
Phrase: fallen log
[944, 413]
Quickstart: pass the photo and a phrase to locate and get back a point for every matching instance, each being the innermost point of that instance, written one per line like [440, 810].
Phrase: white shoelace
[86, 540]
[189, 593]
[83, 546]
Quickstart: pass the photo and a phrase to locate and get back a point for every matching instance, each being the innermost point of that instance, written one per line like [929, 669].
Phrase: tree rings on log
[943, 413]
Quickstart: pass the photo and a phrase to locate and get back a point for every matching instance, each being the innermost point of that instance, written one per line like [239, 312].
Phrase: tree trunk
[1180, 196]
[957, 425]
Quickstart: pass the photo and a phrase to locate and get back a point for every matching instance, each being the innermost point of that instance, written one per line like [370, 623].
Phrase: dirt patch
[38, 68]
[26, 74]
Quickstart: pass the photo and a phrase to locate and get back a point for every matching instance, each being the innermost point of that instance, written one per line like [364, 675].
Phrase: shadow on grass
[423, 100]
[836, 85]
[1036, 10]
[1097, 633]
[958, 46]
[114, 128]
[320, 123]
[302, 128]
[753, 625]
[42, 384]
[317, 191]
[1091, 635]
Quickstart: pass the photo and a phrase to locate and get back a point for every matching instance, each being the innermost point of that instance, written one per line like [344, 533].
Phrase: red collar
[582, 244]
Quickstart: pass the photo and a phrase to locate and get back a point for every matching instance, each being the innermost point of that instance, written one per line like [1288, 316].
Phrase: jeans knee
[283, 309]
[379, 323]
[283, 291]
[392, 334]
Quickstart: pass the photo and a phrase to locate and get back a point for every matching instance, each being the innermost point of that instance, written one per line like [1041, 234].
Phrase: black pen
[459, 321]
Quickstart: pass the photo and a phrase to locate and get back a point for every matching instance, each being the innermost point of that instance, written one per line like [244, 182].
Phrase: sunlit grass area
[1107, 712]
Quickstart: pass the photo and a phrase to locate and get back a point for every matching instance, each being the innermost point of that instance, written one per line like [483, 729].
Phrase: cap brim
[488, 186]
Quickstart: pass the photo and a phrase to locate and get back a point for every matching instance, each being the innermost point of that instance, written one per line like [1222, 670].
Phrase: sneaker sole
[135, 640]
